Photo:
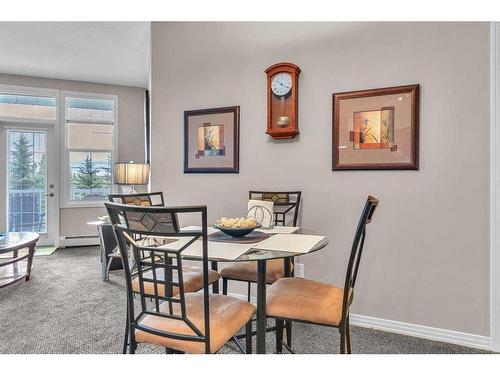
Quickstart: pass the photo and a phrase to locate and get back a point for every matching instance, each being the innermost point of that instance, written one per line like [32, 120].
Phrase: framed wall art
[211, 140]
[376, 129]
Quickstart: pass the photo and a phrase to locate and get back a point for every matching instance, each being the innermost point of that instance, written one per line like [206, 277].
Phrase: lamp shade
[131, 174]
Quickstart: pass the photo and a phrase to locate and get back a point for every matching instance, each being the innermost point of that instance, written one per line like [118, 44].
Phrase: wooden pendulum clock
[282, 100]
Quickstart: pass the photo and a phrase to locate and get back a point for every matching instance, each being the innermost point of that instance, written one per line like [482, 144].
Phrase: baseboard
[430, 333]
[416, 330]
[70, 241]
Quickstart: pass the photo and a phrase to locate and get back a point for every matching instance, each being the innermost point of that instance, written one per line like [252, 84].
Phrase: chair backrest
[356, 252]
[284, 202]
[139, 199]
[165, 262]
[139, 221]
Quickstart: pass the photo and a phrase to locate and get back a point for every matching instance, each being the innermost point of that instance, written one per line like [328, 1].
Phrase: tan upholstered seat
[307, 300]
[227, 316]
[247, 271]
[193, 280]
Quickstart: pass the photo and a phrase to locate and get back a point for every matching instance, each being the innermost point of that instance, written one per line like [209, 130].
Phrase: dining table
[280, 242]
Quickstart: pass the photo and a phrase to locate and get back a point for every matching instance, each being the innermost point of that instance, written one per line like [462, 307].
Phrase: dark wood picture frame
[414, 90]
[236, 139]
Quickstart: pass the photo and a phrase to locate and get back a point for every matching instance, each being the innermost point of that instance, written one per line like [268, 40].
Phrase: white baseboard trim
[78, 241]
[430, 333]
[416, 330]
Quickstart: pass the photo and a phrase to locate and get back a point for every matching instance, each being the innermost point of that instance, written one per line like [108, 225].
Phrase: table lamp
[130, 174]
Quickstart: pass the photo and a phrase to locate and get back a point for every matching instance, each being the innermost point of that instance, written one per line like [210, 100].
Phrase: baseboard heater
[71, 241]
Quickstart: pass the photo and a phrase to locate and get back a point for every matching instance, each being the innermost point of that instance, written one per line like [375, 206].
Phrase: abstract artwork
[373, 129]
[211, 140]
[376, 129]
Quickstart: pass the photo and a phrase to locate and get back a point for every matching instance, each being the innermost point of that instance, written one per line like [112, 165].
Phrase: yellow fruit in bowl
[237, 222]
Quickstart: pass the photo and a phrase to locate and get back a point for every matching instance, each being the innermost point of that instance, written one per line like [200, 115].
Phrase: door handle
[49, 195]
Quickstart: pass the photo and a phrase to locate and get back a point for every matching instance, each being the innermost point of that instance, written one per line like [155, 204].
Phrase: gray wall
[130, 136]
[426, 259]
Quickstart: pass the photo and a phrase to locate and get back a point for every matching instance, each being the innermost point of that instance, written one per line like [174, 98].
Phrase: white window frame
[31, 91]
[7, 122]
[65, 202]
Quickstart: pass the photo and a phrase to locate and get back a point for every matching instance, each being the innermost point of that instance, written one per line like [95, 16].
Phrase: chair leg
[125, 339]
[248, 337]
[108, 266]
[342, 339]
[288, 328]
[249, 291]
[133, 343]
[348, 336]
[133, 346]
[224, 286]
[279, 335]
[104, 263]
[215, 285]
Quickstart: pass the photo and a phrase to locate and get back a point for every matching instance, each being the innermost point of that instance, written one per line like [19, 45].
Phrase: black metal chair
[109, 255]
[308, 301]
[285, 203]
[145, 199]
[139, 199]
[193, 275]
[176, 319]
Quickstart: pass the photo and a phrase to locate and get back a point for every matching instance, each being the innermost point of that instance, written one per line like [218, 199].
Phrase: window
[27, 106]
[27, 180]
[90, 123]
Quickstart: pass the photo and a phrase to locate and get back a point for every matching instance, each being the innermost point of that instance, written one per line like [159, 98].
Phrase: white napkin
[293, 243]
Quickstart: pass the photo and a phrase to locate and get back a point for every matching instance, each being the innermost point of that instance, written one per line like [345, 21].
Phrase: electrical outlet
[299, 270]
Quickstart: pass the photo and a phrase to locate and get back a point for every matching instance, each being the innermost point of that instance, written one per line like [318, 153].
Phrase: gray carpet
[66, 308]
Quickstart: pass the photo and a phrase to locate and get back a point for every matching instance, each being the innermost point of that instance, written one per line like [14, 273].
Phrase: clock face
[281, 84]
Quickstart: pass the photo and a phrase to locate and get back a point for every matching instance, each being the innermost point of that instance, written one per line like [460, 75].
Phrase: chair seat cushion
[306, 300]
[193, 280]
[247, 271]
[227, 316]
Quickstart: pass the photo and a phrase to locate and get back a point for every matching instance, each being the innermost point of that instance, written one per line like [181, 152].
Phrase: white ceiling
[102, 52]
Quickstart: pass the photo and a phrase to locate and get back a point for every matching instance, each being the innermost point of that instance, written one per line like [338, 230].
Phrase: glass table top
[11, 239]
[253, 254]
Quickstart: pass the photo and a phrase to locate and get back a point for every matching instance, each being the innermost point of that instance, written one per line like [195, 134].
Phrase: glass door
[30, 193]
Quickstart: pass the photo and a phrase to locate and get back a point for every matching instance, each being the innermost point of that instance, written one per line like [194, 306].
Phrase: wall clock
[282, 100]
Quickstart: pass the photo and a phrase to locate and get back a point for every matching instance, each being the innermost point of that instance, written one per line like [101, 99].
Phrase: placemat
[254, 237]
[295, 243]
[278, 229]
[217, 250]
